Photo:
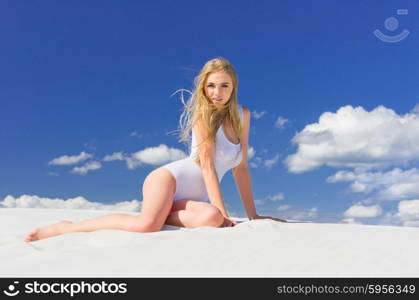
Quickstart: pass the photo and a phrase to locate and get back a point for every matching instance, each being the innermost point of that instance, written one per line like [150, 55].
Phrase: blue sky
[83, 80]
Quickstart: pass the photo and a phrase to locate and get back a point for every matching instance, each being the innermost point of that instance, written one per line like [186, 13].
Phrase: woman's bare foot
[48, 231]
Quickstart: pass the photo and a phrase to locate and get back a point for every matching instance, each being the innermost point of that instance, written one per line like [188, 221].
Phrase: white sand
[259, 248]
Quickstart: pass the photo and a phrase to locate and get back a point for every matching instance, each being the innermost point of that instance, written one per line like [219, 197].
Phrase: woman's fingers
[228, 222]
[277, 219]
[272, 218]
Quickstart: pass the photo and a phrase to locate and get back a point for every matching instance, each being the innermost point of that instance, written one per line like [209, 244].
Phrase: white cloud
[255, 162]
[390, 218]
[70, 160]
[269, 163]
[409, 210]
[258, 115]
[280, 122]
[304, 215]
[350, 221]
[114, 156]
[33, 201]
[355, 138]
[341, 176]
[154, 156]
[283, 207]
[361, 211]
[415, 110]
[273, 198]
[277, 197]
[134, 133]
[401, 190]
[396, 184]
[411, 223]
[406, 215]
[90, 166]
[250, 152]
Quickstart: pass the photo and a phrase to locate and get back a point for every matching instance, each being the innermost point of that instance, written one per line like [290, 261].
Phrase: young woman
[177, 193]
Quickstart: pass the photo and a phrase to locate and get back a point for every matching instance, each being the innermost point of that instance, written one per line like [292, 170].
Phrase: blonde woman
[177, 193]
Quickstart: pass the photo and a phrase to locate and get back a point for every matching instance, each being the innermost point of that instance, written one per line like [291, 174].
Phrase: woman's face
[218, 88]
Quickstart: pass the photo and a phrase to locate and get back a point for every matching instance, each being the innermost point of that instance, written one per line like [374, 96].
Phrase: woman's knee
[142, 225]
[211, 216]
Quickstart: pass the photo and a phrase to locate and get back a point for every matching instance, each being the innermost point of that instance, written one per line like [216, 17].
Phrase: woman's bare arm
[241, 174]
[207, 154]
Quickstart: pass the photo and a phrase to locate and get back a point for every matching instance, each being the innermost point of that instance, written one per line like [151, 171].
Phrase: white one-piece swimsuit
[188, 175]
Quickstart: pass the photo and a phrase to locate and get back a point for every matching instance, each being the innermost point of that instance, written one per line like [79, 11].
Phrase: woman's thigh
[191, 205]
[191, 214]
[158, 191]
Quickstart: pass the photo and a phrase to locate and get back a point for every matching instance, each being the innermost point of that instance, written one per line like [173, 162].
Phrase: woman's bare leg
[158, 190]
[47, 231]
[192, 214]
[113, 221]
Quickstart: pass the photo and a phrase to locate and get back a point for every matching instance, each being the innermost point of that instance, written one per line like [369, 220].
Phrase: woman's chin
[218, 104]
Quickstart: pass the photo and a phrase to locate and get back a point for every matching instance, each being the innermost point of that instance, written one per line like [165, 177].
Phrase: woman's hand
[257, 217]
[228, 222]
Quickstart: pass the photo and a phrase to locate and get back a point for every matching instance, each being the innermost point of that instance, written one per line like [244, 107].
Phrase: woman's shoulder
[244, 109]
[241, 106]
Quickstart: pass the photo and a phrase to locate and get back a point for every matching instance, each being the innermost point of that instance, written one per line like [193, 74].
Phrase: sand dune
[258, 248]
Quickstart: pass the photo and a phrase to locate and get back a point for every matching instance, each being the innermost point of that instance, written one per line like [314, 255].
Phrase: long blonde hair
[200, 108]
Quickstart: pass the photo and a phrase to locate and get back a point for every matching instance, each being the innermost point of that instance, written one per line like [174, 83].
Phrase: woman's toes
[31, 236]
[48, 231]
